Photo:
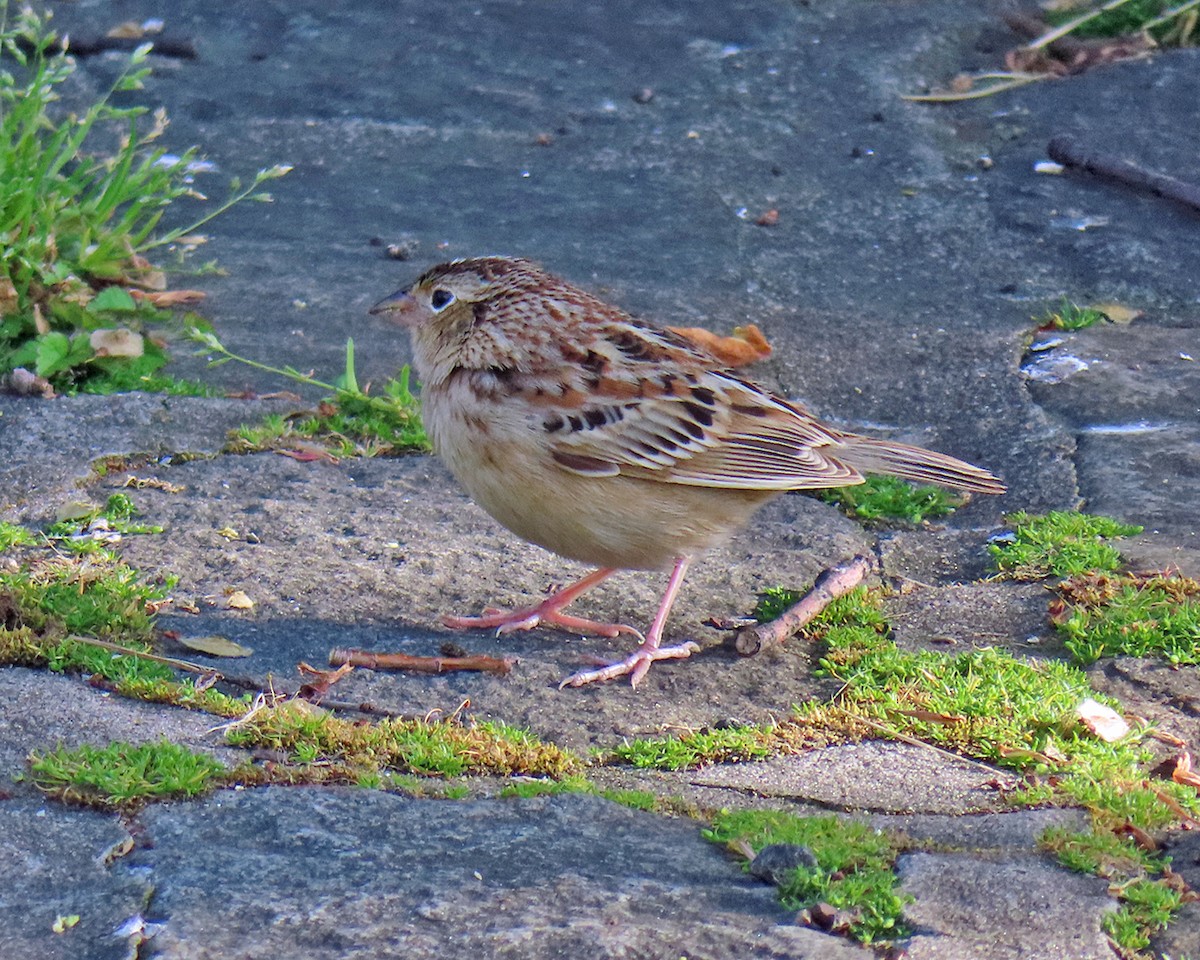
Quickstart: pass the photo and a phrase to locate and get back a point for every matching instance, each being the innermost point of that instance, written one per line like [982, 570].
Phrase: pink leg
[546, 613]
[638, 662]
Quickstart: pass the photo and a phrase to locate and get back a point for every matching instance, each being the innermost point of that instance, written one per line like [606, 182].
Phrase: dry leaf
[129, 30]
[9, 301]
[768, 218]
[1117, 313]
[1103, 721]
[746, 345]
[40, 323]
[306, 453]
[322, 680]
[228, 533]
[237, 600]
[168, 298]
[119, 342]
[1183, 770]
[153, 483]
[215, 646]
[25, 383]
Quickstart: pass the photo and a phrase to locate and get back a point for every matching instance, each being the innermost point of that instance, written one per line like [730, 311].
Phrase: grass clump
[350, 422]
[1168, 21]
[1137, 615]
[115, 517]
[854, 872]
[1059, 544]
[434, 748]
[1070, 316]
[121, 774]
[81, 197]
[12, 535]
[1140, 879]
[890, 498]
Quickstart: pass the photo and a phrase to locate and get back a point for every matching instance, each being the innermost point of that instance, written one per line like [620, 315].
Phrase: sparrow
[610, 441]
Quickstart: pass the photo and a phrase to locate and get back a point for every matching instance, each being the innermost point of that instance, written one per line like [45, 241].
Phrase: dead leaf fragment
[9, 301]
[745, 346]
[237, 600]
[322, 680]
[768, 218]
[216, 646]
[118, 342]
[1118, 312]
[1183, 770]
[152, 483]
[25, 383]
[168, 298]
[228, 533]
[129, 30]
[1103, 721]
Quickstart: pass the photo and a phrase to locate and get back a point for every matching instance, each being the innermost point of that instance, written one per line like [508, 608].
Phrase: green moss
[1070, 316]
[854, 872]
[710, 745]
[1127, 19]
[1059, 544]
[117, 513]
[444, 748]
[890, 498]
[121, 773]
[1137, 877]
[12, 535]
[543, 788]
[1131, 615]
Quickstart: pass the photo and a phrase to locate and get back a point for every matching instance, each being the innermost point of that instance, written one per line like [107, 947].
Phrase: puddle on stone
[1136, 426]
[1053, 368]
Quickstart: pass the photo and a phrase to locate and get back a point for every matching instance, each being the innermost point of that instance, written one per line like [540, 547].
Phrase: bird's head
[477, 314]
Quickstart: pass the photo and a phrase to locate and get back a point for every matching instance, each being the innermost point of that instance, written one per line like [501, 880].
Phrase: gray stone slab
[55, 863]
[1013, 832]
[345, 873]
[1025, 909]
[44, 710]
[48, 447]
[872, 776]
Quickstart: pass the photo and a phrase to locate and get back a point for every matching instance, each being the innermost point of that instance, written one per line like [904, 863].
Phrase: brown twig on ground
[1068, 151]
[402, 661]
[830, 585]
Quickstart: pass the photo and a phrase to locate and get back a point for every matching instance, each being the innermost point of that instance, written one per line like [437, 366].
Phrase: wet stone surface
[898, 289]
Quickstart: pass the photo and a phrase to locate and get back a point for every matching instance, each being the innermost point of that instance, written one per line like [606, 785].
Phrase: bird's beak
[400, 307]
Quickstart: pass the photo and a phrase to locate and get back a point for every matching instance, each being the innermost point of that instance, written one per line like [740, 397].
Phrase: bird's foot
[635, 665]
[545, 614]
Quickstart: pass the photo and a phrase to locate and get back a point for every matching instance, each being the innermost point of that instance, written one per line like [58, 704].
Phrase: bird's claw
[636, 665]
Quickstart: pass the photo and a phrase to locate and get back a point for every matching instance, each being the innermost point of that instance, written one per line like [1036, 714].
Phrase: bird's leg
[547, 613]
[638, 662]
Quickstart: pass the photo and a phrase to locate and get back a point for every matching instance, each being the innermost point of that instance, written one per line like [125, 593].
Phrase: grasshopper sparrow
[610, 441]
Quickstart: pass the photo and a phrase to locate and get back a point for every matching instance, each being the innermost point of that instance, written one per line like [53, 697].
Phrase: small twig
[402, 661]
[1068, 151]
[828, 587]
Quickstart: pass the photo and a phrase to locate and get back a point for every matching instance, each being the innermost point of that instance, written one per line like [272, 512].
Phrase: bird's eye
[441, 299]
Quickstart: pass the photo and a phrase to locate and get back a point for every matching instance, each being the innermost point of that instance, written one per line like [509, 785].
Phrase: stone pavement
[897, 289]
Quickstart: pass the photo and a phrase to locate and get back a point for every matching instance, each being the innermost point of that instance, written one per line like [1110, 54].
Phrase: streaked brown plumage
[610, 441]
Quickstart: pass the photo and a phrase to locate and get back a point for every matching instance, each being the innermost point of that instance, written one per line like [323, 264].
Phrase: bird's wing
[700, 428]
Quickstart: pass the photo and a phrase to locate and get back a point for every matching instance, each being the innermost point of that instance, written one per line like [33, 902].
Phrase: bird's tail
[869, 455]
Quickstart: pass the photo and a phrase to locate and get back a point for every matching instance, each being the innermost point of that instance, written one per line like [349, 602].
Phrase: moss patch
[1138, 615]
[854, 871]
[1059, 544]
[120, 774]
[445, 748]
[885, 498]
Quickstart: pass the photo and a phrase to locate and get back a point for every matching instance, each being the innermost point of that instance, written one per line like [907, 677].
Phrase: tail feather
[870, 455]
